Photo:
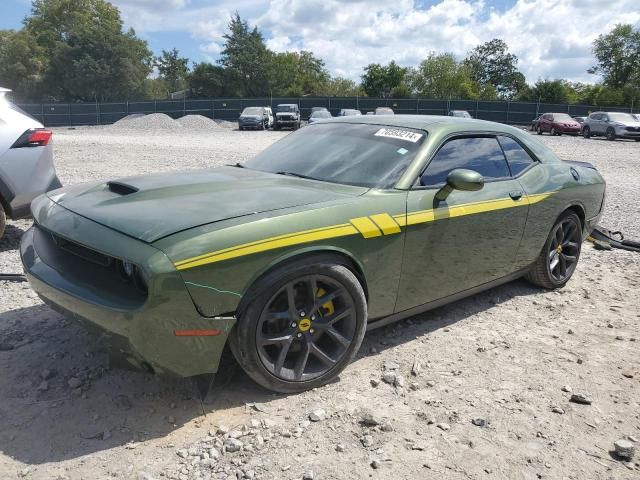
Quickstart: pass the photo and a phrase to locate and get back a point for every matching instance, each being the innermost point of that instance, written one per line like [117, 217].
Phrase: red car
[557, 124]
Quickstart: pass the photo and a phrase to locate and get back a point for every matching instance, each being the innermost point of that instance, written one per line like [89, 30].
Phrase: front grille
[100, 274]
[633, 129]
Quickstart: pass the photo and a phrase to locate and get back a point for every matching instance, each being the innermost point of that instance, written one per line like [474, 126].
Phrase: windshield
[621, 117]
[348, 153]
[348, 113]
[321, 114]
[252, 111]
[285, 108]
[562, 117]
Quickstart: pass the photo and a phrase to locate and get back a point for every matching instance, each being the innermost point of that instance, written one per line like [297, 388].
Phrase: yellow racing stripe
[368, 227]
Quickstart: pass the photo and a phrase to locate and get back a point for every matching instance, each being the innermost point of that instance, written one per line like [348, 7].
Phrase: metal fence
[71, 114]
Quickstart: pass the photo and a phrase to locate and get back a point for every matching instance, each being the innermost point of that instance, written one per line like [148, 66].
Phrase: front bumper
[624, 133]
[144, 329]
[569, 130]
[250, 124]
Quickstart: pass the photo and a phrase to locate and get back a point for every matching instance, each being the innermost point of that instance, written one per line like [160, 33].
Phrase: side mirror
[461, 179]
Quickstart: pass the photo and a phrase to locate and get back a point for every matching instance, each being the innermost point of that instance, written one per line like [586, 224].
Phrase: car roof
[426, 122]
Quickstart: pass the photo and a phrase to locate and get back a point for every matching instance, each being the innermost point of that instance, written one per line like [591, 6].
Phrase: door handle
[515, 195]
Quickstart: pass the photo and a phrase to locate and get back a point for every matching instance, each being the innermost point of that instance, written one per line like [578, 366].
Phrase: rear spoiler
[581, 164]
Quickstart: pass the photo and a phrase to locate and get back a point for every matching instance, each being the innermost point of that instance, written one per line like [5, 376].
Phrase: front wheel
[586, 132]
[611, 134]
[539, 130]
[302, 327]
[3, 221]
[559, 257]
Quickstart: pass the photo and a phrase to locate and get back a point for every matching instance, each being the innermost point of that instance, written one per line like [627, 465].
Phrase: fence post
[98, 112]
[477, 108]
[213, 109]
[155, 106]
[42, 114]
[508, 110]
[184, 105]
[127, 107]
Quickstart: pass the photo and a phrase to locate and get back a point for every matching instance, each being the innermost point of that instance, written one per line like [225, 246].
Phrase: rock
[232, 445]
[479, 422]
[632, 438]
[48, 374]
[570, 331]
[182, 453]
[122, 402]
[415, 369]
[389, 378]
[399, 381]
[375, 382]
[145, 476]
[386, 427]
[375, 464]
[414, 386]
[307, 475]
[624, 449]
[581, 398]
[74, 382]
[317, 415]
[340, 448]
[566, 388]
[367, 441]
[431, 383]
[580, 361]
[368, 419]
[388, 366]
[222, 430]
[557, 410]
[627, 373]
[444, 426]
[44, 386]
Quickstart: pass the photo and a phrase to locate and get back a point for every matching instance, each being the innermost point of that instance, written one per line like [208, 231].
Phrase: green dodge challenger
[342, 226]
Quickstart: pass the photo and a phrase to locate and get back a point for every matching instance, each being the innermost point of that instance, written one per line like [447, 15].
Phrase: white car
[26, 161]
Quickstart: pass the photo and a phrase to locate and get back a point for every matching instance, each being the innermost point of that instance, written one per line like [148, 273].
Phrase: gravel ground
[479, 389]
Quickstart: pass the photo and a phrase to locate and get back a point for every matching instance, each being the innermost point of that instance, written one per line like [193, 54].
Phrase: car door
[470, 238]
[597, 124]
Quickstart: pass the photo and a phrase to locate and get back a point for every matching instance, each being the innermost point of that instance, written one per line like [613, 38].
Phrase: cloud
[552, 39]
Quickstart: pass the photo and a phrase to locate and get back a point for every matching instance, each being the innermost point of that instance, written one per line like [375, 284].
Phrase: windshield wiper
[293, 174]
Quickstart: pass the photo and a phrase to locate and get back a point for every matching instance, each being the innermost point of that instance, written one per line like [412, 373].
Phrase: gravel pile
[150, 122]
[197, 122]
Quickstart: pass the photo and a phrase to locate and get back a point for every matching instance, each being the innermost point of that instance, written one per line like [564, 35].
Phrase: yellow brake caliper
[328, 307]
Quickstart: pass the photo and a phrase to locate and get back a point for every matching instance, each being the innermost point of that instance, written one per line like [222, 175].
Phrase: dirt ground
[480, 389]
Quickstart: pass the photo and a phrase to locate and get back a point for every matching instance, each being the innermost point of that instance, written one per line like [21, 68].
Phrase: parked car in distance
[319, 109]
[636, 115]
[460, 114]
[557, 124]
[534, 123]
[341, 227]
[349, 112]
[318, 115]
[611, 125]
[580, 120]
[257, 118]
[26, 161]
[384, 111]
[287, 115]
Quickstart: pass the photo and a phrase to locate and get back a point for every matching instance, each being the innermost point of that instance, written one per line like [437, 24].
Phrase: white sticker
[399, 133]
[402, 151]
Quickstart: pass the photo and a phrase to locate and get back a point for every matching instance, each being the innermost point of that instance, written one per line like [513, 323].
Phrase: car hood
[154, 206]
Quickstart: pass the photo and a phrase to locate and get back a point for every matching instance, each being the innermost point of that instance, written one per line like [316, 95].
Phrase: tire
[3, 221]
[262, 126]
[307, 342]
[276, 126]
[241, 128]
[539, 130]
[553, 132]
[611, 134]
[586, 132]
[565, 236]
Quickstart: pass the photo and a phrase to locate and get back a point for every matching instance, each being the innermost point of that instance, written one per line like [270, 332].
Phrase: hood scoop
[120, 188]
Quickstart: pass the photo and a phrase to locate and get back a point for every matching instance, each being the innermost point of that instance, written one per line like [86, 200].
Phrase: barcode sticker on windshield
[399, 133]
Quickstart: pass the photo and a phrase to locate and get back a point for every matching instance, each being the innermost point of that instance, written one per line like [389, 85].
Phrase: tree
[547, 91]
[22, 64]
[441, 76]
[618, 56]
[342, 87]
[296, 74]
[207, 80]
[246, 55]
[87, 55]
[492, 65]
[381, 80]
[173, 69]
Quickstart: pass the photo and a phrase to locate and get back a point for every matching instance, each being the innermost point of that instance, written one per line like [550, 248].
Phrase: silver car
[26, 161]
[611, 125]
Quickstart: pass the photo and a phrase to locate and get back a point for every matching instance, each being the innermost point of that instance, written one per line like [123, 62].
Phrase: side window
[482, 154]
[596, 116]
[517, 157]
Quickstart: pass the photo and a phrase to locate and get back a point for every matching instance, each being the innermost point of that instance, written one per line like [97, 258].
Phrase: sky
[552, 38]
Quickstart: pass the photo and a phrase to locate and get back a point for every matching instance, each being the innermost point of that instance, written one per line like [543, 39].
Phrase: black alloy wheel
[306, 328]
[611, 134]
[586, 132]
[564, 250]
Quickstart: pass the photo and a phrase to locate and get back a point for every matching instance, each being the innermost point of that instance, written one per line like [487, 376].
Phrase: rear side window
[481, 154]
[517, 157]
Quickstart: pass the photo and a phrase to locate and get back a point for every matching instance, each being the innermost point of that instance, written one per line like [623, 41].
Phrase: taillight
[34, 137]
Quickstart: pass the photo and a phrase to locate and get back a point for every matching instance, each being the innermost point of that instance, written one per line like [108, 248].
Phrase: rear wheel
[3, 221]
[302, 327]
[539, 130]
[586, 132]
[553, 131]
[559, 257]
[611, 134]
